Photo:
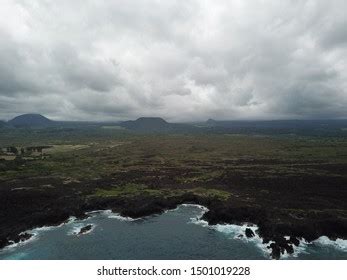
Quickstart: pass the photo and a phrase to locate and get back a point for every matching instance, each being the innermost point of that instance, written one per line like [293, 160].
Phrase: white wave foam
[194, 205]
[37, 230]
[77, 229]
[97, 212]
[339, 244]
[197, 219]
[301, 249]
[111, 215]
[231, 230]
[238, 232]
[121, 218]
[20, 243]
[117, 216]
[172, 210]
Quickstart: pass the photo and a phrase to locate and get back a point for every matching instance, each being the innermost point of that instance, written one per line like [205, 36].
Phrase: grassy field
[202, 158]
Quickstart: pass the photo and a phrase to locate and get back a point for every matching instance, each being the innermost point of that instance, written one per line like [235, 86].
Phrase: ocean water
[176, 234]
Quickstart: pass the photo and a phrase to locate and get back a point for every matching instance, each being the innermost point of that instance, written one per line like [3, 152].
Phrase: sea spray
[339, 244]
[234, 231]
[231, 230]
[111, 215]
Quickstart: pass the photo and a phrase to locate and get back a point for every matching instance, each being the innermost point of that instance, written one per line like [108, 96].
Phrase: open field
[287, 185]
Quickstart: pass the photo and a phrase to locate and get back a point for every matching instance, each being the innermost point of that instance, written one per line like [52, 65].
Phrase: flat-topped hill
[30, 120]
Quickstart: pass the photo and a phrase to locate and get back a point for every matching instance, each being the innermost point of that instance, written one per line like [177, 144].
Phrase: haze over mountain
[156, 124]
[211, 122]
[30, 120]
[146, 124]
[159, 125]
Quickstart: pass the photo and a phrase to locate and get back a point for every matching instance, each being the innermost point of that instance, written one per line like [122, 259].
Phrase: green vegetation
[163, 165]
[127, 190]
[200, 159]
[132, 190]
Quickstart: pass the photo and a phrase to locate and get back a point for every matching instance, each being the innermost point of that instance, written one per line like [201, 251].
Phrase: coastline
[238, 231]
[284, 195]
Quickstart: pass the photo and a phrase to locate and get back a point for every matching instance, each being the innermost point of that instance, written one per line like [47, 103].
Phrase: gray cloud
[182, 60]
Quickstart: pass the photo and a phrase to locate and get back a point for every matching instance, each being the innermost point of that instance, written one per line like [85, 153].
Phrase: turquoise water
[176, 234]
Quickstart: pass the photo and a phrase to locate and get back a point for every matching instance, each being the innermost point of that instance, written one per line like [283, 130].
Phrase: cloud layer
[182, 60]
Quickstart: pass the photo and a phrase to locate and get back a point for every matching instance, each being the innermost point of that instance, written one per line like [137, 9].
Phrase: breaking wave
[234, 231]
[111, 215]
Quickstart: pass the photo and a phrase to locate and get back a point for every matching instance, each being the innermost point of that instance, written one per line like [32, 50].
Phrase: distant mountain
[30, 120]
[211, 122]
[2, 124]
[147, 125]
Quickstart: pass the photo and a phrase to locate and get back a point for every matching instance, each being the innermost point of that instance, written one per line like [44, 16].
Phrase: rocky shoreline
[25, 206]
[277, 245]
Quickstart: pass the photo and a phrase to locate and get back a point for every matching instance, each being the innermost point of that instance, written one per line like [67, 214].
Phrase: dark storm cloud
[183, 60]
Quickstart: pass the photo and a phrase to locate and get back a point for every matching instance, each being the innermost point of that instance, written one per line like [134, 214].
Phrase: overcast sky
[181, 60]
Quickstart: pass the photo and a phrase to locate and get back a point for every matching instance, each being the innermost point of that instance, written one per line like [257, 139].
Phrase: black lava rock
[85, 229]
[249, 233]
